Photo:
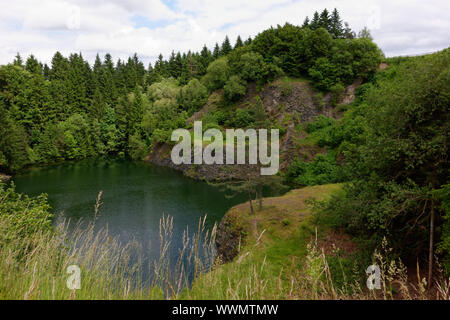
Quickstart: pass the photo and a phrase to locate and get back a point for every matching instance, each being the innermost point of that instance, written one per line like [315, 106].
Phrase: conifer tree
[216, 52]
[306, 23]
[18, 60]
[33, 66]
[315, 23]
[226, 47]
[336, 25]
[324, 20]
[239, 42]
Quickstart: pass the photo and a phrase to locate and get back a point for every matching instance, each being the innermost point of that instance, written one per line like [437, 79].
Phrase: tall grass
[314, 280]
[35, 267]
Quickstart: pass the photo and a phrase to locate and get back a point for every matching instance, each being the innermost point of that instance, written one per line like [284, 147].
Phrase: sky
[151, 27]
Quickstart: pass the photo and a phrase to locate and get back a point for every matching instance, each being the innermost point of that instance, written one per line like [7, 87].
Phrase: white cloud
[43, 27]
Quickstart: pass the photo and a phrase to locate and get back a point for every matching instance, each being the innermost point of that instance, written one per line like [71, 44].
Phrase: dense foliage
[399, 157]
[71, 110]
[21, 215]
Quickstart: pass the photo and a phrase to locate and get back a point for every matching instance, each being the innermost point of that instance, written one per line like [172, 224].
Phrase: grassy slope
[274, 252]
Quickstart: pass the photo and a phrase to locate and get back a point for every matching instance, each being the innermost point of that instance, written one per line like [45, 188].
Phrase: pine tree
[337, 30]
[98, 105]
[324, 20]
[137, 109]
[261, 119]
[60, 67]
[348, 32]
[161, 67]
[239, 43]
[226, 47]
[46, 71]
[172, 65]
[205, 60]
[139, 69]
[315, 23]
[152, 76]
[306, 23]
[109, 89]
[18, 60]
[248, 41]
[33, 66]
[216, 51]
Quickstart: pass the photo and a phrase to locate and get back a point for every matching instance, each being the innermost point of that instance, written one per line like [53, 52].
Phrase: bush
[319, 123]
[338, 91]
[285, 87]
[243, 118]
[323, 170]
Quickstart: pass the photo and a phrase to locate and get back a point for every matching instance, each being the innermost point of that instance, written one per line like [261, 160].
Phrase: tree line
[73, 110]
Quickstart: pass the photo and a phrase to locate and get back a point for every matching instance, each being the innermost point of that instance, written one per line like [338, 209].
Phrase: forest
[72, 110]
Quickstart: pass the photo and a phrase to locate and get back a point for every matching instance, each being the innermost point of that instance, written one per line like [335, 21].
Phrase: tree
[365, 34]
[98, 104]
[306, 23]
[348, 33]
[205, 59]
[234, 88]
[261, 119]
[33, 66]
[336, 25]
[18, 60]
[324, 20]
[216, 52]
[193, 95]
[250, 66]
[217, 74]
[226, 47]
[238, 43]
[315, 23]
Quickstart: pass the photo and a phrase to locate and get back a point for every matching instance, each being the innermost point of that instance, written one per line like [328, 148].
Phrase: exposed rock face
[349, 95]
[299, 98]
[160, 155]
[228, 239]
[286, 103]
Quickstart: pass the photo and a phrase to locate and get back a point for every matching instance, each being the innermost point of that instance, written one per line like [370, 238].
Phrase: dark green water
[135, 196]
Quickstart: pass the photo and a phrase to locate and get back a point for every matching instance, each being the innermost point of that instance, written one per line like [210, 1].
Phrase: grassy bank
[273, 253]
[287, 253]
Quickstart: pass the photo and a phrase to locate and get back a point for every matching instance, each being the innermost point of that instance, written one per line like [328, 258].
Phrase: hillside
[289, 104]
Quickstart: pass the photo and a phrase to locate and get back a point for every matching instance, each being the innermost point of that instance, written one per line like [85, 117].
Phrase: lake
[135, 197]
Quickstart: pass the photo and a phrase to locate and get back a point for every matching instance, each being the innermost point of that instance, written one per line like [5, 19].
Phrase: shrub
[319, 123]
[323, 170]
[285, 87]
